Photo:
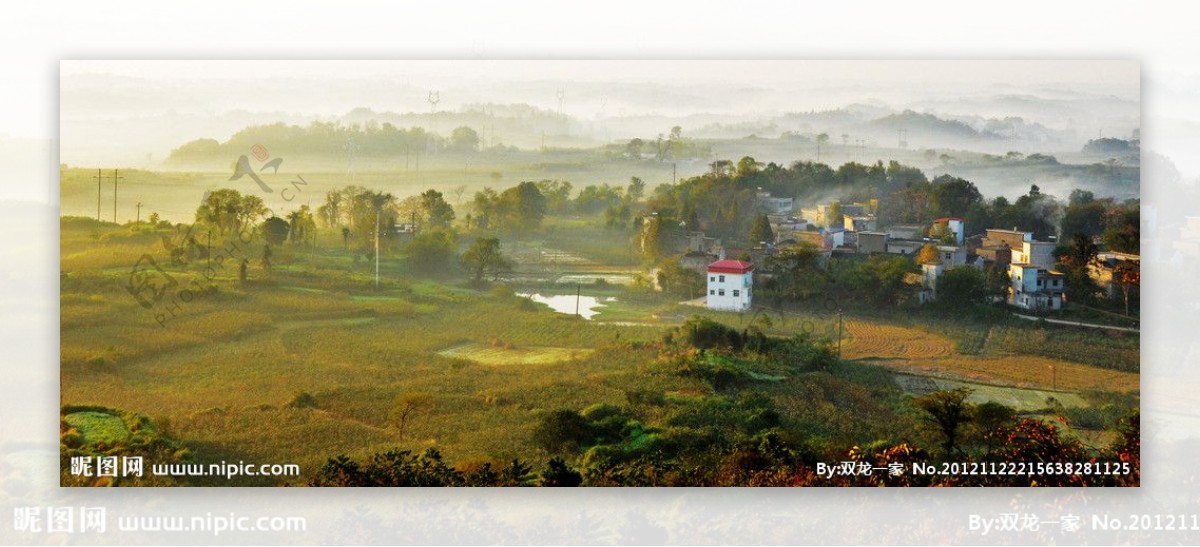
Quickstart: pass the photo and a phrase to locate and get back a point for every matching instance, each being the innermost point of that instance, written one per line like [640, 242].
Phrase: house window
[721, 292]
[711, 292]
[722, 278]
[737, 293]
[712, 278]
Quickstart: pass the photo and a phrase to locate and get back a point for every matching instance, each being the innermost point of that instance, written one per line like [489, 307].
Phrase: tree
[464, 139]
[635, 190]
[929, 255]
[430, 252]
[229, 211]
[563, 431]
[653, 238]
[1124, 232]
[761, 231]
[746, 167]
[484, 257]
[265, 261]
[822, 140]
[680, 282]
[302, 225]
[558, 473]
[436, 211]
[961, 287]
[833, 215]
[1079, 252]
[331, 211]
[409, 406]
[1127, 276]
[796, 272]
[947, 409]
[953, 196]
[633, 150]
[522, 207]
[275, 230]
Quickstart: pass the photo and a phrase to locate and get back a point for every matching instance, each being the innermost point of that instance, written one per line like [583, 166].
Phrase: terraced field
[918, 352]
[864, 340]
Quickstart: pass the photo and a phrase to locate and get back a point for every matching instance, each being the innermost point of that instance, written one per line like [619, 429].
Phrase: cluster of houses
[1035, 285]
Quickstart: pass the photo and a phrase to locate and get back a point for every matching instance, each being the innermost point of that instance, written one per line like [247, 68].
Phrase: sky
[136, 111]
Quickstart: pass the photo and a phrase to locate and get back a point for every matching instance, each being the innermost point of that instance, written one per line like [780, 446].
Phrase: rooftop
[730, 266]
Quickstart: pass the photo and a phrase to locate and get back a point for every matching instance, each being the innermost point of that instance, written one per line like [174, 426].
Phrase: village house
[906, 231]
[906, 247]
[785, 227]
[730, 285]
[1038, 253]
[864, 223]
[998, 245]
[1035, 288]
[819, 215]
[952, 224]
[872, 242]
[1105, 267]
[772, 205]
[701, 251]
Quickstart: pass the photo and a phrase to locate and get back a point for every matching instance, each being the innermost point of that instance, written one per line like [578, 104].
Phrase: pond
[566, 303]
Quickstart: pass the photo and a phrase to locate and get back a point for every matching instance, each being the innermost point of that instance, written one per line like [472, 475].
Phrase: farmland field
[311, 360]
[500, 353]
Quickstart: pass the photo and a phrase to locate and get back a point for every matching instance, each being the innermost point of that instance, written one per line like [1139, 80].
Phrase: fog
[133, 113]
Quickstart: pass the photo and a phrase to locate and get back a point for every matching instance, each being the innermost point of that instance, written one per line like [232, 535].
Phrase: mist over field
[601, 273]
[134, 114]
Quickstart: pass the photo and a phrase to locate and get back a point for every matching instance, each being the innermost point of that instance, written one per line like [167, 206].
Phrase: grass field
[312, 361]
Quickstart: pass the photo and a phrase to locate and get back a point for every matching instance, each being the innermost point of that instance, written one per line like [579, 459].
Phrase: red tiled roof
[947, 219]
[730, 266]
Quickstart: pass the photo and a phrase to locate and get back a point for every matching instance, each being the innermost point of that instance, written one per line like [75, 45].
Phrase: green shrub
[303, 399]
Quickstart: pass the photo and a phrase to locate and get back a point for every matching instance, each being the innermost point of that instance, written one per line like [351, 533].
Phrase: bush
[564, 431]
[303, 399]
[649, 397]
[704, 333]
[558, 473]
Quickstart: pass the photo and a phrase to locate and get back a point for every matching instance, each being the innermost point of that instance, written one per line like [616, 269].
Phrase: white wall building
[730, 285]
[1035, 288]
[1038, 253]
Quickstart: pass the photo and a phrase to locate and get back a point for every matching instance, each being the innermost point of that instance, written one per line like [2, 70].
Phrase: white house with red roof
[954, 225]
[730, 285]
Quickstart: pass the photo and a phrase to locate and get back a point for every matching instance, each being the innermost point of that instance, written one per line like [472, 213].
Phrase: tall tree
[523, 207]
[761, 231]
[484, 257]
[948, 410]
[464, 139]
[438, 214]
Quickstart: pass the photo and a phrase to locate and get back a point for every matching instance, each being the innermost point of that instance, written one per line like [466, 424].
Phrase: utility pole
[377, 249]
[138, 222]
[99, 180]
[115, 179]
[577, 287]
[839, 346]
